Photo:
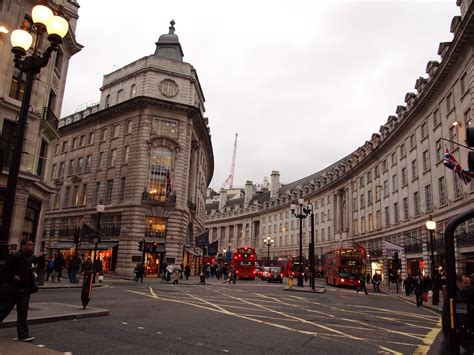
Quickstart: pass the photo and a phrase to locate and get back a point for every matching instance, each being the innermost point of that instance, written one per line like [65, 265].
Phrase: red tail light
[254, 272]
[281, 275]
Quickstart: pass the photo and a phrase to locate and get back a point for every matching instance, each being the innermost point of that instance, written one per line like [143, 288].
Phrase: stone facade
[34, 186]
[145, 151]
[387, 188]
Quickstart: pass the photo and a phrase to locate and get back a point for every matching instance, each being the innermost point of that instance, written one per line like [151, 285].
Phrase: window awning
[61, 245]
[192, 252]
[100, 246]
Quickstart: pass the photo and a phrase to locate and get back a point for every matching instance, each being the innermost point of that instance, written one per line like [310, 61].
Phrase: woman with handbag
[18, 282]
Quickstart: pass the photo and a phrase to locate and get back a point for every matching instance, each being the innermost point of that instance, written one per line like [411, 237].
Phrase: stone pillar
[248, 192]
[274, 183]
[427, 255]
[222, 199]
[18, 216]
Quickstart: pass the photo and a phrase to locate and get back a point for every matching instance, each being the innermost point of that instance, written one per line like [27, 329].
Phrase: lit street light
[268, 242]
[57, 27]
[431, 226]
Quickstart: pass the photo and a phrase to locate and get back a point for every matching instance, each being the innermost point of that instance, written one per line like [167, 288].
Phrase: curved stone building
[145, 152]
[386, 189]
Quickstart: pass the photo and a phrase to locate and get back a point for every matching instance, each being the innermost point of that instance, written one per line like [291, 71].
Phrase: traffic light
[154, 247]
[140, 245]
[470, 143]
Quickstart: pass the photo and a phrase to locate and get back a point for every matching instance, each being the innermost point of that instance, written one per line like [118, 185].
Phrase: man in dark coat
[16, 286]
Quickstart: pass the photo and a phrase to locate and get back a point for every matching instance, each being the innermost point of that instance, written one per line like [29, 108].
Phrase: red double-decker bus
[244, 263]
[343, 267]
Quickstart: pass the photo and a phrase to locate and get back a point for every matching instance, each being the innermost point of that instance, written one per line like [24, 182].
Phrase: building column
[18, 217]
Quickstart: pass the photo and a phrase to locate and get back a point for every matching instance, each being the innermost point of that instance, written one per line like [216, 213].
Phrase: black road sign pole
[453, 339]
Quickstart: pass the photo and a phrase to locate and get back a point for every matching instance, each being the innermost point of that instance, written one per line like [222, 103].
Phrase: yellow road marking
[428, 340]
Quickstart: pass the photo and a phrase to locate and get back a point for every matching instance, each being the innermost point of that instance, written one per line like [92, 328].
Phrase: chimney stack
[248, 191]
[274, 183]
[222, 199]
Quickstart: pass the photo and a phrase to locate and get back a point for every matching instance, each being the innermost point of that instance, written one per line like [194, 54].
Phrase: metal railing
[157, 198]
[154, 234]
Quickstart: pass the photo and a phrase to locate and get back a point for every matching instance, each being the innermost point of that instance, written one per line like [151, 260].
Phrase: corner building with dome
[144, 152]
[386, 189]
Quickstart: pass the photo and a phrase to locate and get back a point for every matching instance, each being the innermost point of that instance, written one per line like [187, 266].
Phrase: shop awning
[100, 246]
[192, 252]
[61, 245]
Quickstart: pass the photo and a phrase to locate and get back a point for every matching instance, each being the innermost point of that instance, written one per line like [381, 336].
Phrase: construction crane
[230, 179]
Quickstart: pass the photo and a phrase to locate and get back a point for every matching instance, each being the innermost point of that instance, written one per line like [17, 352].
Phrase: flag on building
[213, 248]
[451, 163]
[360, 248]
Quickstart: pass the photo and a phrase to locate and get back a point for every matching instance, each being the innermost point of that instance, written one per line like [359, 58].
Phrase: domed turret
[168, 45]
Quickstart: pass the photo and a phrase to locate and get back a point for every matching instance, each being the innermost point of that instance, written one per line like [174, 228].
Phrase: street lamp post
[302, 214]
[44, 20]
[100, 208]
[312, 271]
[431, 226]
[268, 242]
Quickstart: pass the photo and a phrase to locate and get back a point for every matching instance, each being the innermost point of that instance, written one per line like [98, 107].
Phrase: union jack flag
[451, 163]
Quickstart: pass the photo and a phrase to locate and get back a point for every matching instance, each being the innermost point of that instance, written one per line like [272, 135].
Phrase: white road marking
[159, 333]
[179, 338]
[225, 351]
[199, 344]
[124, 323]
[41, 346]
[140, 328]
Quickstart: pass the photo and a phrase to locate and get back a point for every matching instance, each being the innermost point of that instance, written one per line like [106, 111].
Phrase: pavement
[10, 346]
[390, 290]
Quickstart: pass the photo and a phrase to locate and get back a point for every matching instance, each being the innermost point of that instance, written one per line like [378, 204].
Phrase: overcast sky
[303, 83]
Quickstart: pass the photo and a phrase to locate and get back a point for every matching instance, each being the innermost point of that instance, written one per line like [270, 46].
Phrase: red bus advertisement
[244, 263]
[342, 267]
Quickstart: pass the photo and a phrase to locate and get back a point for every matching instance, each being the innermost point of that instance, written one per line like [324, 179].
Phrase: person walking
[418, 289]
[232, 275]
[361, 285]
[87, 267]
[139, 272]
[17, 283]
[187, 271]
[59, 264]
[41, 266]
[176, 274]
[50, 268]
[169, 272]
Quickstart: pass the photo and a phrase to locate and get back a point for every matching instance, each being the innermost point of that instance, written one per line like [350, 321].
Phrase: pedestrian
[59, 264]
[76, 266]
[232, 275]
[17, 282]
[87, 267]
[224, 272]
[187, 271]
[418, 290]
[97, 269]
[176, 274]
[361, 285]
[367, 279]
[182, 271]
[41, 266]
[165, 272]
[376, 282]
[50, 268]
[139, 272]
[169, 272]
[408, 284]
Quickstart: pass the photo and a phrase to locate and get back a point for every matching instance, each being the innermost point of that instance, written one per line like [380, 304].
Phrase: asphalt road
[250, 317]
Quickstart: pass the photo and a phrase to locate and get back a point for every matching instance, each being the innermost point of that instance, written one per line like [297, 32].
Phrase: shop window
[43, 155]
[155, 227]
[159, 182]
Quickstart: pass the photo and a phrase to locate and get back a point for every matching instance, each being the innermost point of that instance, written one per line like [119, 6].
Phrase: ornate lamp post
[302, 214]
[100, 208]
[431, 226]
[44, 20]
[268, 242]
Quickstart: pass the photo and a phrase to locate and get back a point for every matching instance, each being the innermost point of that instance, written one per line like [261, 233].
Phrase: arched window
[159, 182]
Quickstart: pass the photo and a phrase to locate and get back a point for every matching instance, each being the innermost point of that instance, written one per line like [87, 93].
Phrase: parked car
[275, 274]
